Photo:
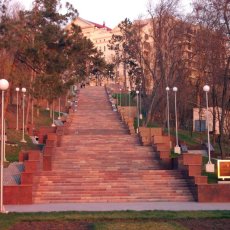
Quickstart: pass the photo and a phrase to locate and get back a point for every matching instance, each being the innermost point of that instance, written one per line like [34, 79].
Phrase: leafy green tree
[41, 54]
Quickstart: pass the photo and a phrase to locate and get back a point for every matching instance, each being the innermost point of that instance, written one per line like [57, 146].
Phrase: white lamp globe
[167, 88]
[23, 90]
[4, 84]
[17, 89]
[175, 89]
[137, 92]
[206, 88]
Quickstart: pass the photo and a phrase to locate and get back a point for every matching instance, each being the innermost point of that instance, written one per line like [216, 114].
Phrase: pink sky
[110, 12]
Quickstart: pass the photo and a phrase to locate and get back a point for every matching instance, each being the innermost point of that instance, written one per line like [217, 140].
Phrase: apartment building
[99, 34]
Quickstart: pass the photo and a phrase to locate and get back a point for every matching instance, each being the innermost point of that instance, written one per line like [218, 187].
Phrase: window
[200, 125]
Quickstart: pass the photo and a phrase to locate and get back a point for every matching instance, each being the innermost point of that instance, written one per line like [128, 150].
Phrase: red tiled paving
[98, 161]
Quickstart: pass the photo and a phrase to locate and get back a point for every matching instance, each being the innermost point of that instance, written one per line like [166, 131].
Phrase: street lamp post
[168, 124]
[120, 97]
[4, 85]
[177, 147]
[4, 140]
[23, 115]
[129, 101]
[32, 111]
[140, 102]
[138, 122]
[209, 167]
[17, 90]
[59, 108]
[53, 125]
[47, 106]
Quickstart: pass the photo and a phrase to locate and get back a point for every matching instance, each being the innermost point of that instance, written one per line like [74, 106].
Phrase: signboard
[223, 167]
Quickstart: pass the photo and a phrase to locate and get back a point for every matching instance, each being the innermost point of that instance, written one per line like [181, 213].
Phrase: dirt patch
[201, 224]
[52, 225]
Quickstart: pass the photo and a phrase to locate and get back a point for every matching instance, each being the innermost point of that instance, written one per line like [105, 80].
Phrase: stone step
[103, 199]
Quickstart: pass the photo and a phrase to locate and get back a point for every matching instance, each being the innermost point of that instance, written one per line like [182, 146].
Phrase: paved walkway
[140, 206]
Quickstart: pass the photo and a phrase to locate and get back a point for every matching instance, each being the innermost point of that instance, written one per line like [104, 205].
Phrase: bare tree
[214, 16]
[168, 57]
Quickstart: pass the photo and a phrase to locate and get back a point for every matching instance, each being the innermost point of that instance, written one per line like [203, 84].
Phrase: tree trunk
[124, 72]
[149, 114]
[29, 102]
[214, 114]
[223, 106]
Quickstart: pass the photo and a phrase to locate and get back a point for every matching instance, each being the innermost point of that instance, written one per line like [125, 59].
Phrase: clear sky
[112, 12]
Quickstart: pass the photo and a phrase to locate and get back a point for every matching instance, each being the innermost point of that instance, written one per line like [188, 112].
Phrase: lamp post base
[177, 149]
[23, 141]
[53, 125]
[210, 167]
[59, 118]
[3, 210]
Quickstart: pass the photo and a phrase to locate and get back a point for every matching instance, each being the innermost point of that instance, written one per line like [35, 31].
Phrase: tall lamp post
[129, 101]
[140, 102]
[209, 167]
[53, 125]
[177, 147]
[47, 106]
[4, 85]
[59, 108]
[4, 141]
[138, 122]
[17, 90]
[168, 124]
[32, 111]
[120, 97]
[23, 115]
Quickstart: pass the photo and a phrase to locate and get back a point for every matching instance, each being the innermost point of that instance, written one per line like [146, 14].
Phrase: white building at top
[100, 35]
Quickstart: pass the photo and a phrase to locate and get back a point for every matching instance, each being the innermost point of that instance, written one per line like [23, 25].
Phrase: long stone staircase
[99, 161]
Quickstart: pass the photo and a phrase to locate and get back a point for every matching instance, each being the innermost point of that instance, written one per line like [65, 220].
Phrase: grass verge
[115, 220]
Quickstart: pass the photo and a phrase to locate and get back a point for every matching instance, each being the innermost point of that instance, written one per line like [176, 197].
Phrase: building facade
[100, 35]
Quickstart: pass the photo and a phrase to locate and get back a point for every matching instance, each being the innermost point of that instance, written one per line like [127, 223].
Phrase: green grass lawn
[116, 220]
[12, 150]
[15, 136]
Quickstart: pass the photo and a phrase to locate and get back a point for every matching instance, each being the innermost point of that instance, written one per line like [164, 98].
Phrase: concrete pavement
[140, 206]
